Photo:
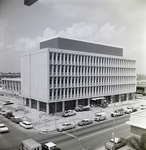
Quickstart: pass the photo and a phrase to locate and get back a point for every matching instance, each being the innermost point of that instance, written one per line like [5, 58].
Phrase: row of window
[62, 58]
[63, 93]
[85, 70]
[89, 81]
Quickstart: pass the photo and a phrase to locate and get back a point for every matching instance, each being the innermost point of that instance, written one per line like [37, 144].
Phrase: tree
[137, 143]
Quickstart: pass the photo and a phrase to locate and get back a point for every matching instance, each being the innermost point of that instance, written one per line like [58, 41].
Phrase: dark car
[115, 144]
[9, 115]
[16, 119]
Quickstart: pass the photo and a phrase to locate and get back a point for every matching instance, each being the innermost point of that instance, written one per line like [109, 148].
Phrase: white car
[26, 124]
[128, 110]
[66, 126]
[3, 128]
[143, 107]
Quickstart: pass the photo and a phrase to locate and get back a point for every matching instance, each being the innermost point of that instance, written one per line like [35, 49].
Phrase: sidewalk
[43, 122]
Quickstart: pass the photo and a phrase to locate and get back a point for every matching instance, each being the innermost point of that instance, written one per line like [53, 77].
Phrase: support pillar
[120, 98]
[133, 96]
[127, 97]
[30, 103]
[47, 108]
[63, 106]
[77, 103]
[89, 101]
[23, 101]
[38, 105]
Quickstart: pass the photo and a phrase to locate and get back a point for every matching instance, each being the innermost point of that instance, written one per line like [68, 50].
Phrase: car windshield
[27, 123]
[53, 148]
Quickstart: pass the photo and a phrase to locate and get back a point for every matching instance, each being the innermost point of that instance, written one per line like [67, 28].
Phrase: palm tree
[137, 143]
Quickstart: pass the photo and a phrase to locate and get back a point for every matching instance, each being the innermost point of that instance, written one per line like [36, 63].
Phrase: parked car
[16, 119]
[130, 109]
[9, 115]
[115, 143]
[2, 112]
[143, 107]
[100, 116]
[3, 128]
[117, 113]
[8, 103]
[82, 108]
[66, 126]
[26, 124]
[68, 113]
[85, 122]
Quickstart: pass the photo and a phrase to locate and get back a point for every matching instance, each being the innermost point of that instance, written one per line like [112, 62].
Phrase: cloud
[81, 31]
[108, 31]
[27, 44]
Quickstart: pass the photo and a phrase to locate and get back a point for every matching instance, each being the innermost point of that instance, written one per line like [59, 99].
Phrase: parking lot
[43, 122]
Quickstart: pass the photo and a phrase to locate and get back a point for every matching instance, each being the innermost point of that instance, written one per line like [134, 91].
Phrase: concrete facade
[55, 79]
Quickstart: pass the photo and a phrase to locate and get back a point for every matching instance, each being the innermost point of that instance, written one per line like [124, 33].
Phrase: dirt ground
[43, 122]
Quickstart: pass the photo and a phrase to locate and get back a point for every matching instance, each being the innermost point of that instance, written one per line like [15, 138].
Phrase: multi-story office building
[65, 73]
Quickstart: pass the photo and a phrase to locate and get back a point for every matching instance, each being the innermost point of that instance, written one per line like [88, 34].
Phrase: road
[89, 137]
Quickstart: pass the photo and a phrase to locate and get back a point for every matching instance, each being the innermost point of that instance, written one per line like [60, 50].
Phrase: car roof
[1, 124]
[67, 123]
[86, 119]
[16, 117]
[27, 122]
[50, 144]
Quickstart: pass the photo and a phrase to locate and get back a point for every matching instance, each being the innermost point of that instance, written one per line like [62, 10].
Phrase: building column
[77, 103]
[24, 101]
[38, 105]
[89, 101]
[63, 106]
[133, 96]
[47, 108]
[30, 103]
[127, 97]
[120, 98]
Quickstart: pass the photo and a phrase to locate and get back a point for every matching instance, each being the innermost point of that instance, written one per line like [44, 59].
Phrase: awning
[94, 99]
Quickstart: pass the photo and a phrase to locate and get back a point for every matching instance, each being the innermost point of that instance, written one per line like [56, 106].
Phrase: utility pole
[113, 134]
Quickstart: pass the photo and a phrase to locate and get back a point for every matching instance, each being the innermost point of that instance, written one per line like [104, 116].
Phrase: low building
[141, 87]
[11, 86]
[137, 122]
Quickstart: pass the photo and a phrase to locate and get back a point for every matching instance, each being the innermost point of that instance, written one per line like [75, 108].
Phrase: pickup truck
[30, 144]
[82, 108]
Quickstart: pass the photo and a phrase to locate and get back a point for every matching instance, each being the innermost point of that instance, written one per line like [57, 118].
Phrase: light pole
[113, 134]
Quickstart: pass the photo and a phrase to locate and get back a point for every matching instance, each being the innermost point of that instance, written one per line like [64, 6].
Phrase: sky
[120, 23]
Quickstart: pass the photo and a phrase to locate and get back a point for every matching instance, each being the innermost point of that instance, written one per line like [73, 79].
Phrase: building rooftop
[78, 45]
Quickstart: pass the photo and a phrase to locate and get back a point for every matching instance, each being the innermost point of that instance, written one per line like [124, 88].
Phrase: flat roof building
[66, 73]
[137, 122]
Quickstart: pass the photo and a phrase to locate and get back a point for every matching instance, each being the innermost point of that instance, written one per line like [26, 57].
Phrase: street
[79, 138]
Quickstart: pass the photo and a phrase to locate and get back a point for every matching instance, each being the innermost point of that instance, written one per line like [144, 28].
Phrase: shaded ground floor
[62, 105]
